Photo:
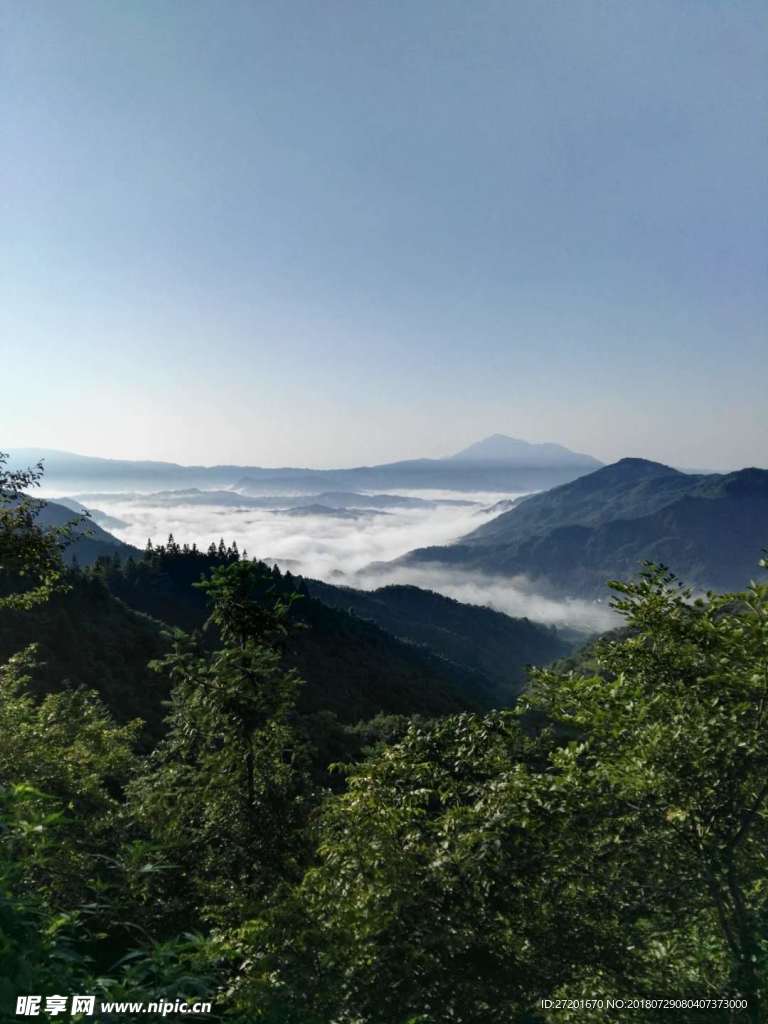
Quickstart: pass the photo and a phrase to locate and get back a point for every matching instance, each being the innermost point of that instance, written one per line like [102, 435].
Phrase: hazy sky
[325, 232]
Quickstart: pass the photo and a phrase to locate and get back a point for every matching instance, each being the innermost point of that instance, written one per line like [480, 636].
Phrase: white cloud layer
[516, 596]
[321, 545]
[341, 550]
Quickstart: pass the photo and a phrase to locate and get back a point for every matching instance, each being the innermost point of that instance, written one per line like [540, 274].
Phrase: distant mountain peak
[513, 450]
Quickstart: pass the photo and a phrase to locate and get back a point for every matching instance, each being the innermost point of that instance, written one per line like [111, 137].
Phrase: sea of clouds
[345, 550]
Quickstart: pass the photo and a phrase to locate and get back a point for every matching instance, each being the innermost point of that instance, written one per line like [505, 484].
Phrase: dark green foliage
[87, 638]
[85, 910]
[246, 601]
[351, 667]
[161, 581]
[30, 555]
[34, 952]
[68, 748]
[357, 669]
[500, 647]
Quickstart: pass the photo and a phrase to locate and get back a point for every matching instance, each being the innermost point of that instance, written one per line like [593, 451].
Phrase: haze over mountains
[498, 463]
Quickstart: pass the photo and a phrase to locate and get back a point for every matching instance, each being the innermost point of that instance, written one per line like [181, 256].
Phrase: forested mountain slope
[495, 644]
[87, 637]
[351, 667]
[482, 652]
[710, 529]
[626, 489]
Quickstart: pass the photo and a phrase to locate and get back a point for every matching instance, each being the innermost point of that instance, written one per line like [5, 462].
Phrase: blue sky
[341, 232]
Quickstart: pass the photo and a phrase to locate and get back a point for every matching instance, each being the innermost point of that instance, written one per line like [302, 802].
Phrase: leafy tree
[225, 794]
[679, 736]
[36, 952]
[30, 558]
[67, 747]
[246, 606]
[440, 894]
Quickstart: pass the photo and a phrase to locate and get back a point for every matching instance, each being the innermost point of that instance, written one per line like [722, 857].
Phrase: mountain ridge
[80, 472]
[709, 529]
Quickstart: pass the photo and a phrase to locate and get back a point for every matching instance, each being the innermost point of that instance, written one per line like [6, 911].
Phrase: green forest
[199, 802]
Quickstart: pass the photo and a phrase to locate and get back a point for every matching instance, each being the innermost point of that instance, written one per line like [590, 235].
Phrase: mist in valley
[351, 545]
